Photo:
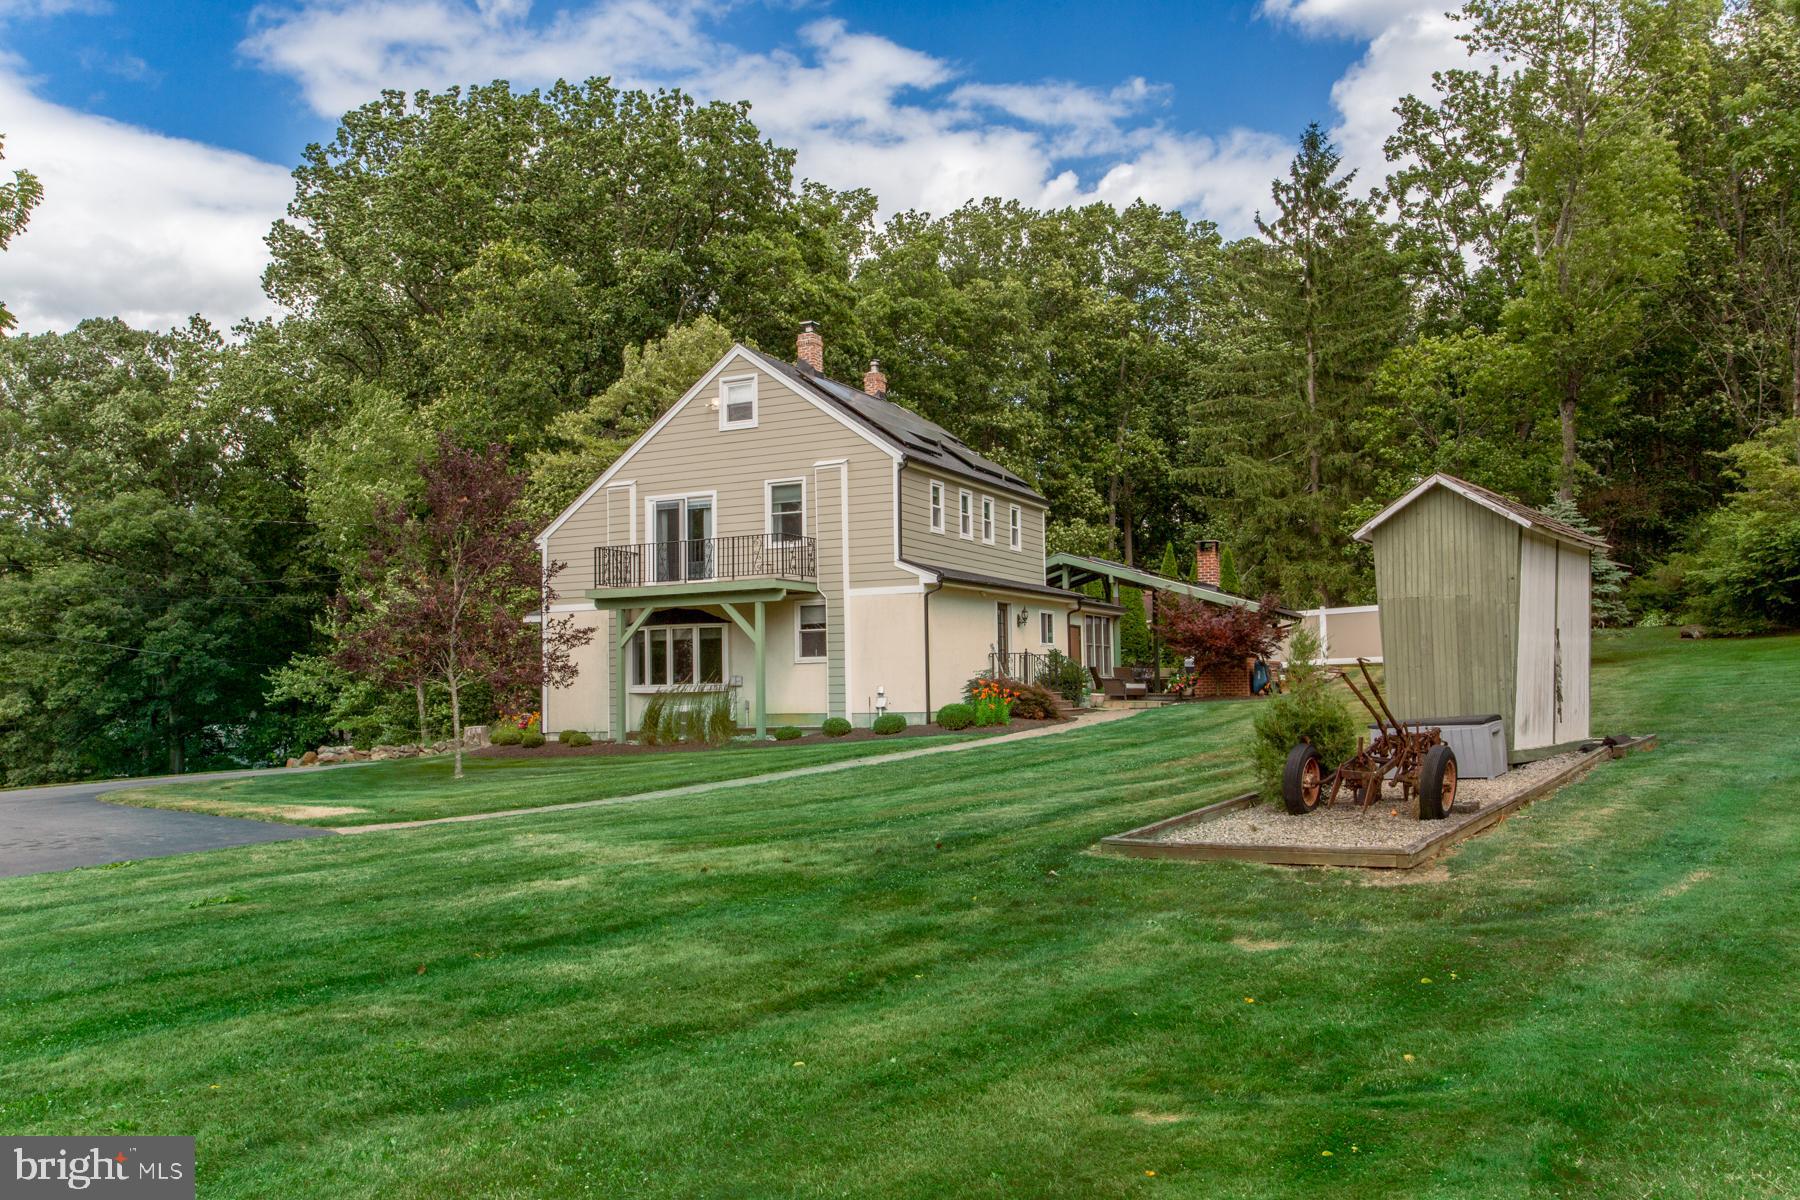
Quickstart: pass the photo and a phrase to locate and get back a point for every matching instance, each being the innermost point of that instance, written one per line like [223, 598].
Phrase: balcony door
[682, 531]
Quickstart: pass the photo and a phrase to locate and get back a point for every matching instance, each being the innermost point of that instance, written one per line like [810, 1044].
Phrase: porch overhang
[700, 592]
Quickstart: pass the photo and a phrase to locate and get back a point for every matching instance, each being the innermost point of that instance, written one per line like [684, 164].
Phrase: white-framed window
[965, 513]
[1049, 623]
[1015, 526]
[786, 509]
[675, 655]
[987, 519]
[809, 632]
[737, 402]
[937, 507]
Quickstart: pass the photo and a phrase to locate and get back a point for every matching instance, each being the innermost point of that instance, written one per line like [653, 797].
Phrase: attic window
[737, 403]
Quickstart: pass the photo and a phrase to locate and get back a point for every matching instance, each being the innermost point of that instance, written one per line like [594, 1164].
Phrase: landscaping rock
[474, 737]
[1693, 632]
[310, 758]
[293, 762]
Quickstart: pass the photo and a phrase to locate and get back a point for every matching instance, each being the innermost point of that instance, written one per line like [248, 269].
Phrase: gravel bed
[1385, 826]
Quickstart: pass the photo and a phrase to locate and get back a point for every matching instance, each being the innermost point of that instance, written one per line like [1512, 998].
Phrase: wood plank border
[1143, 842]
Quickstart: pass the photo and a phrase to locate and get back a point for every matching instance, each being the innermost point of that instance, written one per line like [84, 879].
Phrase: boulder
[293, 762]
[310, 758]
[474, 737]
[1695, 632]
[327, 756]
[359, 756]
[383, 753]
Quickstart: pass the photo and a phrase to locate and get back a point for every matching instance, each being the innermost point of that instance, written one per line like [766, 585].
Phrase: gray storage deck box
[1478, 742]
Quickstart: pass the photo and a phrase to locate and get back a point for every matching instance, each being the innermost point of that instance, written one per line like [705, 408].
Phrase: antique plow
[1416, 758]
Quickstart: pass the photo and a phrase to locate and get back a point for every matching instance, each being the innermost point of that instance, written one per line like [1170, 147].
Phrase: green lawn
[414, 789]
[1598, 997]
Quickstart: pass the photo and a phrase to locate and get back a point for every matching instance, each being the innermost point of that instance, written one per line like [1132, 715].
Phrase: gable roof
[1505, 506]
[924, 442]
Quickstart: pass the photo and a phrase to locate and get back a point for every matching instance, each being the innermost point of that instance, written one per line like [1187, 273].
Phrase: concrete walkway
[1085, 721]
[67, 825]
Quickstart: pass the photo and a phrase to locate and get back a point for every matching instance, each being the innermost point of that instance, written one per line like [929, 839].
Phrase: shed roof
[1081, 565]
[1505, 506]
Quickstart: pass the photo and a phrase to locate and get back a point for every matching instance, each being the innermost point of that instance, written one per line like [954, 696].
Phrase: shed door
[1534, 708]
[1573, 625]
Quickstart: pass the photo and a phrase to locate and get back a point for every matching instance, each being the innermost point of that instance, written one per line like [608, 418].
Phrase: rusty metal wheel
[1437, 783]
[1302, 780]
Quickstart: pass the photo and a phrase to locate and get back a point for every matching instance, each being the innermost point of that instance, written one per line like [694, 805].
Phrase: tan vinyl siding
[1447, 572]
[949, 549]
[691, 454]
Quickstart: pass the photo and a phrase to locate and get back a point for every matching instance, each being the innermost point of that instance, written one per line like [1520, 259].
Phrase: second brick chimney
[1206, 563]
[874, 382]
[809, 348]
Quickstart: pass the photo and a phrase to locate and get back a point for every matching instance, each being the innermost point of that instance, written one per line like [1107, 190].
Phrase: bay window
[673, 655]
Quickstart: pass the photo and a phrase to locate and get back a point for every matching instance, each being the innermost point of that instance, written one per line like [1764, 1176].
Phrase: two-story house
[813, 547]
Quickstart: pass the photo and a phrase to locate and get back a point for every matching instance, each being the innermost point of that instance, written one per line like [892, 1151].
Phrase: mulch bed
[555, 749]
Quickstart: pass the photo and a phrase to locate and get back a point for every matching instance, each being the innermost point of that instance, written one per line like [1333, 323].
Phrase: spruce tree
[1319, 302]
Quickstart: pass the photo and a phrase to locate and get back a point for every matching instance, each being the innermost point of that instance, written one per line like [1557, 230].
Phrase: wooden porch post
[762, 675]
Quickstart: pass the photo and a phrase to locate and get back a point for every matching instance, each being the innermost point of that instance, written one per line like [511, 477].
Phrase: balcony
[722, 564]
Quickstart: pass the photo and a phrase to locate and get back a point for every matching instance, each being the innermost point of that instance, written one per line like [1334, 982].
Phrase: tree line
[1578, 283]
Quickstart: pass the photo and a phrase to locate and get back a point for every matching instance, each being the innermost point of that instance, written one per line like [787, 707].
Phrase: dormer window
[737, 403]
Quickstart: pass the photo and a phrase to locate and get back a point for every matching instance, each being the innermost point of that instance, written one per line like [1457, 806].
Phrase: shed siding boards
[1574, 625]
[1447, 572]
[1534, 710]
[919, 544]
[692, 454]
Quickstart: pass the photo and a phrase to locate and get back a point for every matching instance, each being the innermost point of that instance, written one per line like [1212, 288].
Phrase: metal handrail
[693, 560]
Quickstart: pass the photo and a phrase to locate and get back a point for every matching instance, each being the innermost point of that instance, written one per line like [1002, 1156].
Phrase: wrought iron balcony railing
[698, 560]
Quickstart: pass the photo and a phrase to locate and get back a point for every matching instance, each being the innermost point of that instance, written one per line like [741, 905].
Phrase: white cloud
[133, 224]
[342, 53]
[1408, 40]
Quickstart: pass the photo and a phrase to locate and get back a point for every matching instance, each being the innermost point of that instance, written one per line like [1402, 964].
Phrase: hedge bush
[531, 739]
[955, 716]
[835, 727]
[574, 737]
[1066, 677]
[787, 733]
[505, 735]
[889, 723]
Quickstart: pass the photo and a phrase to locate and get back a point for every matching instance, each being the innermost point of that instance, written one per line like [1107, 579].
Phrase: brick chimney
[809, 348]
[1206, 563]
[874, 382]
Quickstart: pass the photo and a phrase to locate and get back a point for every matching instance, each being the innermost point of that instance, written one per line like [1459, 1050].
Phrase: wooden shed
[1484, 609]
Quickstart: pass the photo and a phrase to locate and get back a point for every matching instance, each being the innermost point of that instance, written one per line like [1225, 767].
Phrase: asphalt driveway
[67, 825]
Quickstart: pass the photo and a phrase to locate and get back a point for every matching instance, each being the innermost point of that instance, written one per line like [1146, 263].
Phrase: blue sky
[164, 131]
[177, 67]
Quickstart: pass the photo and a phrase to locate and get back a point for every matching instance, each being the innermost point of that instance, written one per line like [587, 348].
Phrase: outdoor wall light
[1024, 615]
[880, 701]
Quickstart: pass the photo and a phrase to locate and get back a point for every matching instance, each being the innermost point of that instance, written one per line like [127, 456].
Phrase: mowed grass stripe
[971, 1023]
